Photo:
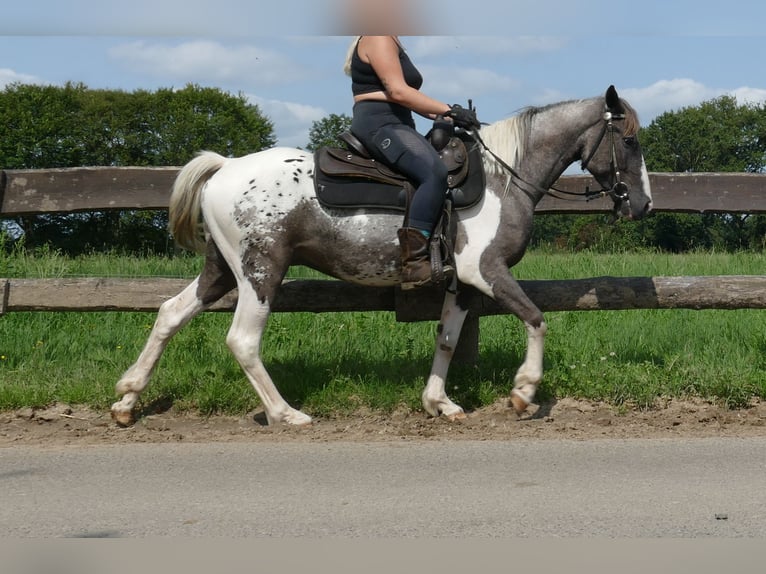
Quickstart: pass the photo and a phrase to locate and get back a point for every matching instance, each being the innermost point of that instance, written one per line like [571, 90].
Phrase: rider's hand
[463, 117]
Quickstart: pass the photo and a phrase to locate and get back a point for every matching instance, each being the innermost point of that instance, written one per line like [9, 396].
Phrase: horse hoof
[123, 418]
[294, 419]
[456, 417]
[519, 404]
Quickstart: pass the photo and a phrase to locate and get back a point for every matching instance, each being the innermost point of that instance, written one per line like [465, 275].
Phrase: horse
[256, 215]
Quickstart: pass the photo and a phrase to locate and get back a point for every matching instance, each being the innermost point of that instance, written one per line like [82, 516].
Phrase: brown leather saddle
[350, 178]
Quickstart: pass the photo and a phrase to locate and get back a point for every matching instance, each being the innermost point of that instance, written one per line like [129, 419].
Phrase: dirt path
[566, 418]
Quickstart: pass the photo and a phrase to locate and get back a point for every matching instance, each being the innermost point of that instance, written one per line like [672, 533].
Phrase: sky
[287, 55]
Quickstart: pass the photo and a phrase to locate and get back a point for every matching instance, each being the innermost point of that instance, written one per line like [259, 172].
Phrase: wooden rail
[28, 192]
[323, 296]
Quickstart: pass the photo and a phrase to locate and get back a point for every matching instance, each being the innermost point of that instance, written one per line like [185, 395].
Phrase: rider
[386, 85]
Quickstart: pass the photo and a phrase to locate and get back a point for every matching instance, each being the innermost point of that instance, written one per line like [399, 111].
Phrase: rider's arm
[383, 55]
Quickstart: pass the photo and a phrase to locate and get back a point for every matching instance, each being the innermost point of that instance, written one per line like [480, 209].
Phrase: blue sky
[504, 55]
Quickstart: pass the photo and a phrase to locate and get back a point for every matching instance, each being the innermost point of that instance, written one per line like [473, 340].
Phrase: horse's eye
[630, 141]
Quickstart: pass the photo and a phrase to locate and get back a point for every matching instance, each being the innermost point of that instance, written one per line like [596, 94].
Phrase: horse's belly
[353, 252]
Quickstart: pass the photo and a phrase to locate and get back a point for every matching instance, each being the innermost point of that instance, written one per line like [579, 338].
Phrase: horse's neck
[556, 140]
[553, 139]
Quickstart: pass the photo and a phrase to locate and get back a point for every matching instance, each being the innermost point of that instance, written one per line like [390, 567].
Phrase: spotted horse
[256, 215]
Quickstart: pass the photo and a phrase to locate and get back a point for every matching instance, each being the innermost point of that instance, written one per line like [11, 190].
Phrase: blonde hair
[350, 55]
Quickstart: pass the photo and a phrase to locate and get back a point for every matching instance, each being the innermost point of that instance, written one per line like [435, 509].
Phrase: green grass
[333, 364]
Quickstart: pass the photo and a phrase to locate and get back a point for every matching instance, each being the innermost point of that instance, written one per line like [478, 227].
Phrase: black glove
[463, 117]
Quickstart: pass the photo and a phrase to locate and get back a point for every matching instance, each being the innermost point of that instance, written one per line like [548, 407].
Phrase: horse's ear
[613, 102]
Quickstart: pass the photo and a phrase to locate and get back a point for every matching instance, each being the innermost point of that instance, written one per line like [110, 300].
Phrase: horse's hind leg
[434, 398]
[244, 340]
[215, 281]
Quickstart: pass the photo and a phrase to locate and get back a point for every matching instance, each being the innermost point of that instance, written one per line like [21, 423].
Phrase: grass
[333, 364]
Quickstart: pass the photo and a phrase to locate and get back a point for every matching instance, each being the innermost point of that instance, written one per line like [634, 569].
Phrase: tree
[325, 132]
[718, 135]
[71, 125]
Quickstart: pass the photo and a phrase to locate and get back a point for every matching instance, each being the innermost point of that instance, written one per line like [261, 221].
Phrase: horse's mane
[508, 138]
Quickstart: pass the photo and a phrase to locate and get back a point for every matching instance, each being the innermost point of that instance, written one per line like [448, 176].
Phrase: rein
[618, 191]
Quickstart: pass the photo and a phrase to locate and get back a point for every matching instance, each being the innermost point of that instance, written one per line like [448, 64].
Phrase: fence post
[467, 350]
[5, 294]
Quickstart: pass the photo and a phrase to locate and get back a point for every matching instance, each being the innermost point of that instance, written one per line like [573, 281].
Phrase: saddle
[349, 178]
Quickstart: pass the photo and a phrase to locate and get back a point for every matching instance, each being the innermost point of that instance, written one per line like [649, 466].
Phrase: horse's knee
[244, 346]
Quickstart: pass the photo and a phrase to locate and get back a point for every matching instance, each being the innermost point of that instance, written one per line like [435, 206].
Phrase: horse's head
[612, 154]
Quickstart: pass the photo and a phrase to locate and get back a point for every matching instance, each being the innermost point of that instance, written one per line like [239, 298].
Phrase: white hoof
[293, 418]
[122, 417]
[520, 400]
[442, 407]
[459, 415]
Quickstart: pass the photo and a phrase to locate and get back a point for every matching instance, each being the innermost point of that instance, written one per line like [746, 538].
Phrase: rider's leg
[411, 154]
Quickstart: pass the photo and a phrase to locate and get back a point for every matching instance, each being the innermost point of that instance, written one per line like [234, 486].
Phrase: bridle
[618, 190]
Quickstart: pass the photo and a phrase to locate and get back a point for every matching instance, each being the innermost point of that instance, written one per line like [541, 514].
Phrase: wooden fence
[28, 192]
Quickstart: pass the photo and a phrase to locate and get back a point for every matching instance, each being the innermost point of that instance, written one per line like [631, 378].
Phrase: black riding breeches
[388, 132]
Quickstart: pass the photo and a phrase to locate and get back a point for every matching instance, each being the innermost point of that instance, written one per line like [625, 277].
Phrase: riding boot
[416, 259]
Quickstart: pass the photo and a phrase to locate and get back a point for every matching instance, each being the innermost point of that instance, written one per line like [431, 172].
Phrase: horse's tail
[184, 209]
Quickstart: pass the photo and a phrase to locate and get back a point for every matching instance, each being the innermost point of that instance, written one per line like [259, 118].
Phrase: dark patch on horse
[216, 278]
[298, 159]
[296, 180]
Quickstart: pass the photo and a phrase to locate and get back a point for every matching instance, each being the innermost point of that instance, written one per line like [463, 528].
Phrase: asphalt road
[601, 488]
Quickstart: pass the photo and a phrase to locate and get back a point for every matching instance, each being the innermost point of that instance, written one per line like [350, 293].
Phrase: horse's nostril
[648, 207]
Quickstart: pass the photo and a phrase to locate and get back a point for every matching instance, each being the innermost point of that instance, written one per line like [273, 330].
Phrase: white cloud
[463, 83]
[8, 76]
[292, 121]
[671, 95]
[749, 95]
[445, 46]
[203, 61]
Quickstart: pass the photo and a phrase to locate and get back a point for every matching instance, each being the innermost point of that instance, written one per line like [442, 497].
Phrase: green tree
[72, 125]
[718, 135]
[325, 132]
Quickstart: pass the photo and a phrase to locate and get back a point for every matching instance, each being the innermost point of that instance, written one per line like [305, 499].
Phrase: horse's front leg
[435, 399]
[509, 295]
[530, 373]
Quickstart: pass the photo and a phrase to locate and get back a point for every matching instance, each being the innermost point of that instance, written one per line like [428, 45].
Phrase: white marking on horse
[645, 182]
[530, 373]
[481, 225]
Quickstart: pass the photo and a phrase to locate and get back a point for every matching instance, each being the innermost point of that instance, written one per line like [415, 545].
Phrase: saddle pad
[355, 191]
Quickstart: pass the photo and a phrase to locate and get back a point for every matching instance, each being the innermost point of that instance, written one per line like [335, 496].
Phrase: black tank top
[364, 80]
